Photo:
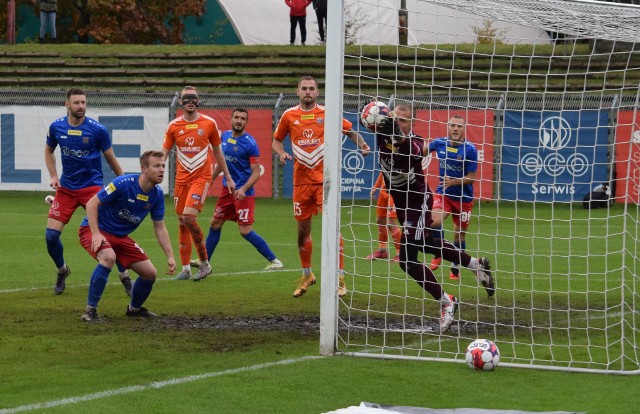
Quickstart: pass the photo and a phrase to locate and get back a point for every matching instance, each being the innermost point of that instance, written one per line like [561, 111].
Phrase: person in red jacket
[298, 14]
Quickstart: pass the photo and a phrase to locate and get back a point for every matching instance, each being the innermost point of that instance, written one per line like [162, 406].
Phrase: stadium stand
[251, 71]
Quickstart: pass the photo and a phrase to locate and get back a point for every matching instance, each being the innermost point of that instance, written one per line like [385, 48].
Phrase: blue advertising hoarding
[358, 172]
[553, 156]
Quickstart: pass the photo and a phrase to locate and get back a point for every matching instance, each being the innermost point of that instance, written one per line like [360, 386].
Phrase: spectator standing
[298, 15]
[48, 10]
[320, 6]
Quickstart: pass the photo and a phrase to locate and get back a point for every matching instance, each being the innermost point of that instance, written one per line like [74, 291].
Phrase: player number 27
[243, 213]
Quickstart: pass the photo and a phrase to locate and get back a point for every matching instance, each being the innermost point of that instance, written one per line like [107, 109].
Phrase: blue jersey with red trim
[80, 149]
[239, 152]
[455, 161]
[125, 205]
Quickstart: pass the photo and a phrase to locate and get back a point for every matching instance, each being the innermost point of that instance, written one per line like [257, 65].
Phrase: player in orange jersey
[195, 137]
[387, 221]
[304, 123]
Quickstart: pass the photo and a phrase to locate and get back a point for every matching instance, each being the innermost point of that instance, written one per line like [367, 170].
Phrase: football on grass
[482, 354]
[373, 114]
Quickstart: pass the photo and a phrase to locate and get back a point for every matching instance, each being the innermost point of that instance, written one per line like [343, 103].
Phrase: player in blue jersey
[114, 213]
[458, 162]
[242, 155]
[81, 140]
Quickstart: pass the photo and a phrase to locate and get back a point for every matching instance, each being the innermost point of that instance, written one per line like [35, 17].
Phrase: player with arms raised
[195, 136]
[304, 124]
[400, 155]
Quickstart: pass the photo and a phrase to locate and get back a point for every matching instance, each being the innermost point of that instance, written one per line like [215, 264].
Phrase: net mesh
[552, 116]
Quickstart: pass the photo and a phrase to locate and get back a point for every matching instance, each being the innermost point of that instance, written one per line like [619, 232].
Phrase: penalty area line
[152, 385]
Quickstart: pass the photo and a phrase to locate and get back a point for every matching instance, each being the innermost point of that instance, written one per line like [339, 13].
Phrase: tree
[121, 21]
[135, 21]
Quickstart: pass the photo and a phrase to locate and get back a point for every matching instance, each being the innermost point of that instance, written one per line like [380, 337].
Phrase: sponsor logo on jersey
[232, 141]
[181, 132]
[308, 142]
[307, 133]
[142, 197]
[307, 116]
[110, 188]
[192, 126]
[296, 122]
[196, 197]
[452, 149]
[127, 216]
[190, 141]
[74, 132]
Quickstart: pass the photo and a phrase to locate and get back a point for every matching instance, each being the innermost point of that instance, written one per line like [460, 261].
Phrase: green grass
[226, 326]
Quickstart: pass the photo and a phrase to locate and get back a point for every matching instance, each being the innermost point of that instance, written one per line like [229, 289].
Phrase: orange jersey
[380, 184]
[193, 142]
[306, 131]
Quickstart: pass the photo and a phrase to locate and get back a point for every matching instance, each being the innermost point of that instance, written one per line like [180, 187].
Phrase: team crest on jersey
[85, 140]
[201, 132]
[190, 141]
[320, 121]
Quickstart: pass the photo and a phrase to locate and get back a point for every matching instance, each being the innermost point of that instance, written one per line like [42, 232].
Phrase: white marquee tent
[267, 22]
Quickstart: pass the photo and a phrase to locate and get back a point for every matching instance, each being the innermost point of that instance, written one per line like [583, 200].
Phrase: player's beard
[237, 130]
[79, 114]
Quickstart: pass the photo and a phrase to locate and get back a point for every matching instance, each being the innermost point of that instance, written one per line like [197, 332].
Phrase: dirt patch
[308, 324]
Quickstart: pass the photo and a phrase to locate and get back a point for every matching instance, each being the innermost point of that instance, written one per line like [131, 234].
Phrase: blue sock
[212, 241]
[141, 291]
[97, 284]
[54, 247]
[121, 268]
[260, 245]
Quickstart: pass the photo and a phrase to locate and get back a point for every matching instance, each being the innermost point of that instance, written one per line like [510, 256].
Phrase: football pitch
[238, 342]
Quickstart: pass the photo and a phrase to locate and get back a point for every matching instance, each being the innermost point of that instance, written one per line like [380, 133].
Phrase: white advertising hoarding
[23, 132]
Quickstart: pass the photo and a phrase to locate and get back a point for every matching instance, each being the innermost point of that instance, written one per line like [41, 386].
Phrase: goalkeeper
[400, 156]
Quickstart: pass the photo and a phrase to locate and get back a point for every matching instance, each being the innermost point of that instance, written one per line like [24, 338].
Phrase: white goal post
[549, 91]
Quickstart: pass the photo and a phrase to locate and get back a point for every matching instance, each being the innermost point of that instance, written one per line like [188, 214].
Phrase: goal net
[549, 91]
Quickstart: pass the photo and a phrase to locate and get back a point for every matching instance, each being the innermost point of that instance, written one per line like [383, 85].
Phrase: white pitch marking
[153, 385]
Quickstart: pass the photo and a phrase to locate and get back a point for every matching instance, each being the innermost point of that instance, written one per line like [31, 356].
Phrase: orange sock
[382, 236]
[305, 252]
[397, 235]
[189, 220]
[184, 238]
